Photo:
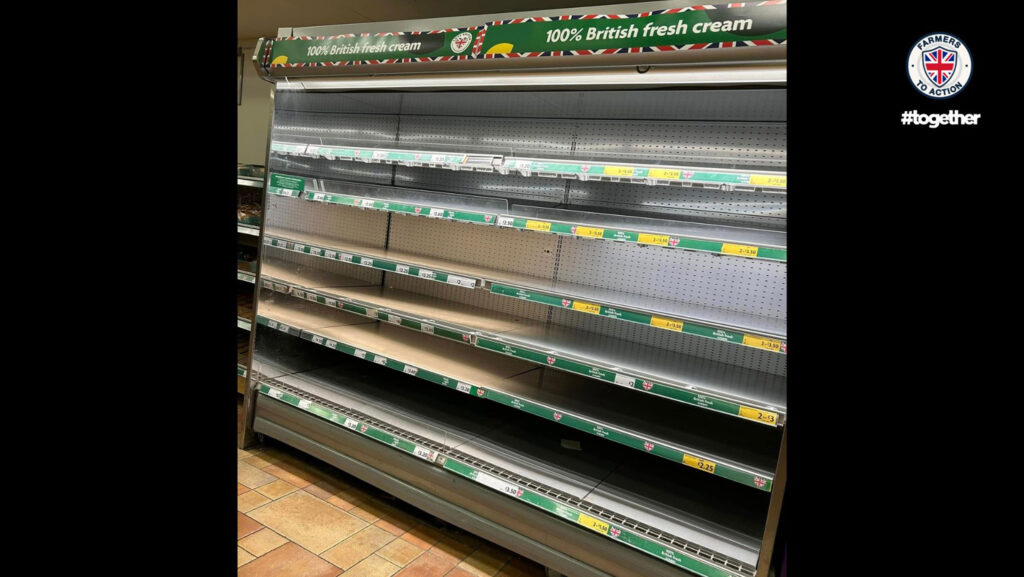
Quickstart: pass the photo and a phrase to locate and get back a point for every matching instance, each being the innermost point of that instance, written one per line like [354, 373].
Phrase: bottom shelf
[649, 506]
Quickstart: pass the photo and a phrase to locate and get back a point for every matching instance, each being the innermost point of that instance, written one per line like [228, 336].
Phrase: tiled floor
[299, 517]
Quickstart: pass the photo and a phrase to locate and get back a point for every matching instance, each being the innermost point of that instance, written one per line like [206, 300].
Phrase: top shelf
[623, 169]
[250, 182]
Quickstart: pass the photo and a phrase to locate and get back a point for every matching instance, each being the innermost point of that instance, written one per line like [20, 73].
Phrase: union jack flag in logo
[939, 64]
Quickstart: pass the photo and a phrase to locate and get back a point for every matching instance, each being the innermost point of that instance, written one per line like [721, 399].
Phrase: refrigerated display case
[250, 220]
[540, 294]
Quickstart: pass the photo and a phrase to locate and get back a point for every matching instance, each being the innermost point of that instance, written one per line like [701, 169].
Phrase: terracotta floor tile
[259, 461]
[398, 522]
[343, 503]
[242, 453]
[423, 536]
[485, 561]
[277, 489]
[262, 541]
[250, 500]
[286, 472]
[357, 547]
[427, 565]
[454, 551]
[327, 488]
[288, 560]
[244, 557]
[400, 552]
[252, 477]
[308, 521]
[246, 525]
[242, 488]
[373, 566]
[372, 510]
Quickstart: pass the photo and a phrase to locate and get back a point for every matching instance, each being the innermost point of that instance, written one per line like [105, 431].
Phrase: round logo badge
[939, 65]
[461, 42]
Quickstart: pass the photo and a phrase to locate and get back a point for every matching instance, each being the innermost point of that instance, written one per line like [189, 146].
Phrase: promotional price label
[763, 343]
[626, 171]
[759, 415]
[670, 324]
[538, 225]
[589, 232]
[765, 180]
[664, 173]
[739, 249]
[593, 524]
[656, 239]
[698, 463]
[587, 307]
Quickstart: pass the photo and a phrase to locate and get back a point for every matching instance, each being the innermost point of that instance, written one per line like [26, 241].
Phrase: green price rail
[402, 208]
[615, 527]
[651, 174]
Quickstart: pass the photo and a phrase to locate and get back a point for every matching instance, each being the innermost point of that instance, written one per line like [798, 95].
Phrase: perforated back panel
[756, 210]
[743, 128]
[536, 190]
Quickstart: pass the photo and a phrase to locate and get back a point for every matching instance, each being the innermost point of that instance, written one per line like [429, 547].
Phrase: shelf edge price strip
[402, 208]
[574, 515]
[624, 314]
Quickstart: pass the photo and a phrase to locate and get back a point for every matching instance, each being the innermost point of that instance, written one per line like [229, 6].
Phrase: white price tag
[311, 296]
[299, 247]
[331, 254]
[274, 393]
[280, 243]
[395, 319]
[316, 251]
[283, 327]
[318, 339]
[331, 302]
[401, 269]
[437, 158]
[360, 353]
[366, 261]
[318, 196]
[424, 273]
[624, 380]
[345, 257]
[498, 484]
[436, 212]
[461, 281]
[425, 454]
[268, 240]
[304, 404]
[298, 293]
[463, 387]
[410, 370]
[380, 360]
[366, 203]
[427, 328]
[372, 313]
[505, 220]
[331, 344]
[351, 423]
[272, 324]
[379, 155]
[269, 285]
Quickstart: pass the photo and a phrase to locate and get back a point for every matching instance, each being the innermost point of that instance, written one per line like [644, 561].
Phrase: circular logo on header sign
[461, 42]
[939, 65]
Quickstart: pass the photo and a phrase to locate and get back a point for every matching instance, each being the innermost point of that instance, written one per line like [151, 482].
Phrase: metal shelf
[730, 240]
[719, 324]
[248, 229]
[524, 462]
[504, 161]
[649, 425]
[244, 323]
[712, 385]
[242, 371]
[246, 277]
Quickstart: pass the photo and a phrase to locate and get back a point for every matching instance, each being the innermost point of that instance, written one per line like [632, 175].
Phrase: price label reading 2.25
[698, 463]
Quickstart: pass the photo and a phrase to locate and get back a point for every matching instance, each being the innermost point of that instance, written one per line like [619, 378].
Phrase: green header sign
[685, 28]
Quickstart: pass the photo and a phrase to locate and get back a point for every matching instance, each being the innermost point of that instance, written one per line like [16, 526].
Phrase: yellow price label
[593, 524]
[762, 343]
[663, 173]
[587, 307]
[658, 239]
[765, 180]
[618, 170]
[759, 415]
[588, 231]
[672, 325]
[538, 225]
[698, 463]
[739, 249]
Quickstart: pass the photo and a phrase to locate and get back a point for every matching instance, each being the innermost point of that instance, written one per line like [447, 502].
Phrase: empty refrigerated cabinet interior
[551, 314]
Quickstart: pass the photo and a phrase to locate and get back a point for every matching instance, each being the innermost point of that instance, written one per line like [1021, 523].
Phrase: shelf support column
[764, 560]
